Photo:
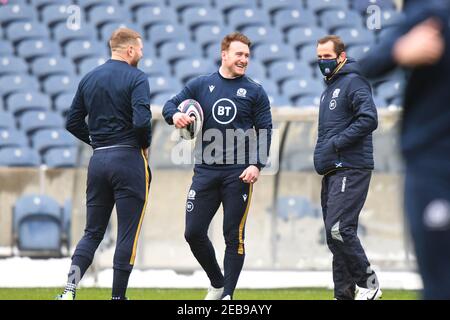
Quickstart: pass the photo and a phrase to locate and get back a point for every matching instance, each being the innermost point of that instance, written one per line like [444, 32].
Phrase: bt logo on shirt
[224, 111]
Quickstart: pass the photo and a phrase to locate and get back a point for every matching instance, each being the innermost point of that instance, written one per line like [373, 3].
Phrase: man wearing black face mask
[344, 156]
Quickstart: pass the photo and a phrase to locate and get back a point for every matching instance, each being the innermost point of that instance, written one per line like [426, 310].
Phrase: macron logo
[211, 88]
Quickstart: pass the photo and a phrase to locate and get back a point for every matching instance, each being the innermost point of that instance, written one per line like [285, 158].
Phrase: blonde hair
[122, 37]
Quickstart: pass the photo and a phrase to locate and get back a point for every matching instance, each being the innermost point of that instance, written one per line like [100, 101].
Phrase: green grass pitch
[190, 294]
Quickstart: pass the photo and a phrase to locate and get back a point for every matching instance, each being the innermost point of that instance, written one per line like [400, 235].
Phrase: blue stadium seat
[149, 50]
[154, 67]
[35, 120]
[300, 36]
[308, 54]
[356, 36]
[262, 34]
[133, 5]
[149, 16]
[358, 51]
[47, 66]
[81, 49]
[63, 103]
[301, 86]
[166, 31]
[7, 120]
[37, 225]
[58, 84]
[308, 101]
[163, 85]
[182, 5]
[288, 18]
[175, 50]
[19, 31]
[88, 5]
[12, 138]
[19, 157]
[90, 64]
[40, 5]
[244, 17]
[213, 52]
[12, 65]
[275, 51]
[286, 69]
[46, 139]
[209, 34]
[194, 17]
[15, 12]
[277, 101]
[107, 29]
[6, 48]
[256, 69]
[273, 6]
[391, 18]
[319, 6]
[296, 207]
[227, 5]
[99, 15]
[270, 87]
[17, 83]
[58, 13]
[27, 101]
[160, 99]
[188, 68]
[333, 19]
[35, 48]
[61, 158]
[63, 34]
[362, 5]
[390, 89]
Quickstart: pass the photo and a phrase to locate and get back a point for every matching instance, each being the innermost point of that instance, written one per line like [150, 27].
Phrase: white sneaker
[214, 293]
[368, 294]
[66, 295]
[227, 297]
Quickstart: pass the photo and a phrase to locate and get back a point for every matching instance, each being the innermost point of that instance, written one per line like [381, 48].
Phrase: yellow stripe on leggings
[243, 220]
[133, 254]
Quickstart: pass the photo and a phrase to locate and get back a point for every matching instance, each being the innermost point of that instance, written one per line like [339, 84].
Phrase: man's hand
[422, 45]
[250, 174]
[181, 120]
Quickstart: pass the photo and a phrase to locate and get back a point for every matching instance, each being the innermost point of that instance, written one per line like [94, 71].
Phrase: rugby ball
[193, 109]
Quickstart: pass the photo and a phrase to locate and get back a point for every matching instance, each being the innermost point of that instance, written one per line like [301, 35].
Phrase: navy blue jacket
[116, 97]
[425, 131]
[228, 104]
[347, 118]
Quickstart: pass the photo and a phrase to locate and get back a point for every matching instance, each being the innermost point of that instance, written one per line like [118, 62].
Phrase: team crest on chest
[241, 92]
[336, 93]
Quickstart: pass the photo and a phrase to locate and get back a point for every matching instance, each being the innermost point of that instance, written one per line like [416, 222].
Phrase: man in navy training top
[421, 45]
[234, 106]
[116, 98]
[344, 156]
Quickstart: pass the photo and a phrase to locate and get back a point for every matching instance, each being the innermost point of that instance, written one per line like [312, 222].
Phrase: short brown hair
[123, 36]
[234, 36]
[339, 45]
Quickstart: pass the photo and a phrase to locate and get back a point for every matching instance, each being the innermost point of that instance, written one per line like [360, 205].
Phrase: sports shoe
[214, 293]
[368, 294]
[66, 295]
[227, 297]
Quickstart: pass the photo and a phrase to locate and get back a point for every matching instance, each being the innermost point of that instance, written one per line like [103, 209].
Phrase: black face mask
[327, 66]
